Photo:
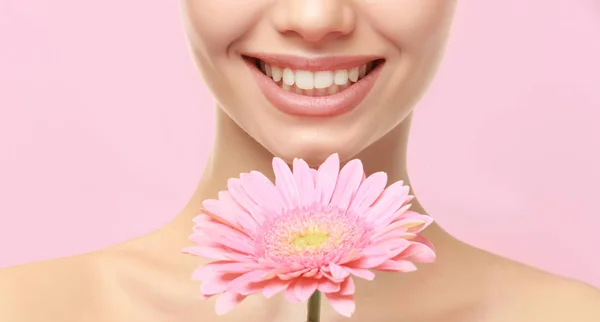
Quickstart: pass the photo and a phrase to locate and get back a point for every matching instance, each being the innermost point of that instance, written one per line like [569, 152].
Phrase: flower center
[310, 239]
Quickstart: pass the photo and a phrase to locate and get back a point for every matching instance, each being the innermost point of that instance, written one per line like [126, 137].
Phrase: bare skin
[148, 279]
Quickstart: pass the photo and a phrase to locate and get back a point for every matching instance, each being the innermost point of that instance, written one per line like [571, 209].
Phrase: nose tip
[314, 20]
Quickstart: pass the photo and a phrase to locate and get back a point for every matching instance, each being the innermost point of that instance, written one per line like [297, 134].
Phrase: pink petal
[201, 273]
[236, 188]
[217, 284]
[343, 304]
[368, 192]
[328, 286]
[252, 288]
[419, 253]
[200, 238]
[238, 245]
[214, 231]
[384, 247]
[371, 261]
[326, 178]
[249, 224]
[201, 218]
[262, 191]
[305, 183]
[422, 240]
[292, 275]
[362, 273]
[274, 286]
[402, 212]
[381, 213]
[242, 281]
[337, 271]
[402, 266]
[227, 301]
[347, 184]
[347, 287]
[217, 251]
[415, 223]
[290, 293]
[330, 277]
[285, 183]
[235, 256]
[231, 266]
[304, 288]
[315, 175]
[394, 227]
[243, 218]
[311, 273]
[394, 234]
[368, 261]
[229, 237]
[215, 207]
[352, 255]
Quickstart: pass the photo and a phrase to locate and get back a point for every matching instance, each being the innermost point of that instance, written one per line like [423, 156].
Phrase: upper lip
[313, 63]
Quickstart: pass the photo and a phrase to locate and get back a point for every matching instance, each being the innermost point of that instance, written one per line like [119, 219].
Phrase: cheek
[211, 25]
[411, 24]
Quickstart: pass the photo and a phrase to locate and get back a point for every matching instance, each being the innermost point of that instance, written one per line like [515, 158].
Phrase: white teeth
[288, 76]
[319, 83]
[323, 79]
[305, 79]
[353, 74]
[340, 77]
[276, 73]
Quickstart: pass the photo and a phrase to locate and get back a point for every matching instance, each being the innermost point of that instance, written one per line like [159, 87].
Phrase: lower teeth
[333, 89]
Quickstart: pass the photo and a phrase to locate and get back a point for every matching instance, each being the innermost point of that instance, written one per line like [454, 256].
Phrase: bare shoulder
[568, 300]
[120, 283]
[53, 290]
[543, 297]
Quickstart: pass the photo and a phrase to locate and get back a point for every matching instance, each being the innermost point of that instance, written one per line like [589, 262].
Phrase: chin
[314, 151]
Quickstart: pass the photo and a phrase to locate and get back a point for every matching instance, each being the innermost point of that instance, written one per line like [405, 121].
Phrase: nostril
[314, 20]
[313, 35]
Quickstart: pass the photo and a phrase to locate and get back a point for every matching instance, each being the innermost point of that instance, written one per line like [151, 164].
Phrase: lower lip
[301, 105]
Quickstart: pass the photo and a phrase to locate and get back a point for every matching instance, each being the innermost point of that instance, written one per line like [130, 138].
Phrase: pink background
[105, 127]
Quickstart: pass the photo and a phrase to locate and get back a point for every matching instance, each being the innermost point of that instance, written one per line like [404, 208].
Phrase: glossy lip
[302, 105]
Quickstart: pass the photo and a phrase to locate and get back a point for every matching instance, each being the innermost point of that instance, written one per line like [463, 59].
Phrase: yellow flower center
[311, 238]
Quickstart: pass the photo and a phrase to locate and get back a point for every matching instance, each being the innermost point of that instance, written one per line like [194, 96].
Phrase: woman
[301, 79]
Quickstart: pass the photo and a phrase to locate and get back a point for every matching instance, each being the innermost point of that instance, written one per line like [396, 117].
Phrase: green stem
[314, 307]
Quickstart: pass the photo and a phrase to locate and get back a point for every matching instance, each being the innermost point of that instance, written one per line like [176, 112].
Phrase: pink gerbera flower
[310, 231]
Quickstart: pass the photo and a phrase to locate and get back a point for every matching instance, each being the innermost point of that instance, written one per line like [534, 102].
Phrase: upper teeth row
[305, 79]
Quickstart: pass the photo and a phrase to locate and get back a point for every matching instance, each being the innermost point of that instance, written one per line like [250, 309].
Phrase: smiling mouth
[314, 81]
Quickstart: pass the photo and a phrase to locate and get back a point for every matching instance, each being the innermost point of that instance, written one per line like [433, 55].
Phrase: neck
[235, 152]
